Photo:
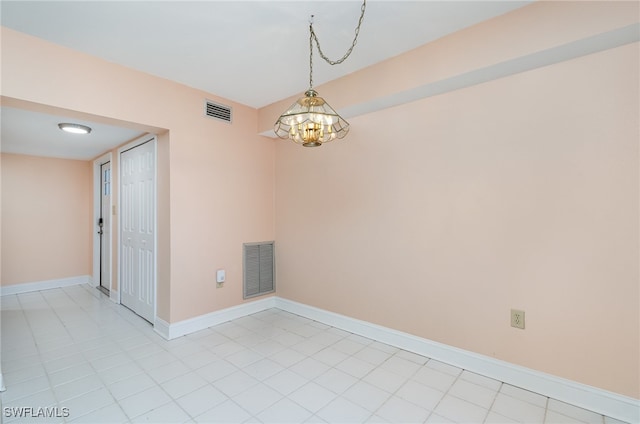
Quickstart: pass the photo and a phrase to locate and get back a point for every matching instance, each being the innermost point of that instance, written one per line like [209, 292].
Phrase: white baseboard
[114, 296]
[163, 328]
[598, 400]
[44, 285]
[188, 326]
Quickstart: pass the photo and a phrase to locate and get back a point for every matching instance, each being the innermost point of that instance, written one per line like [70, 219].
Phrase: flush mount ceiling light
[74, 128]
[310, 121]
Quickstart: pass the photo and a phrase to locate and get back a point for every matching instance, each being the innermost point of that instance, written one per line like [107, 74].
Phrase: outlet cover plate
[517, 319]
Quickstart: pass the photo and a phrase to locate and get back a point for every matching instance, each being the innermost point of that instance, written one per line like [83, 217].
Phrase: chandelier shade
[310, 121]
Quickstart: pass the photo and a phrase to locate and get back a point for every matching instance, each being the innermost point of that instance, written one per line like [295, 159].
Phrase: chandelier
[310, 121]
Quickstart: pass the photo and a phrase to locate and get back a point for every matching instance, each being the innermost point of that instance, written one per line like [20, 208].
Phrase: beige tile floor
[76, 353]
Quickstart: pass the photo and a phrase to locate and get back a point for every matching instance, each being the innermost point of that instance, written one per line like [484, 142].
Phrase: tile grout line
[493, 402]
[402, 385]
[33, 336]
[313, 414]
[47, 304]
[86, 361]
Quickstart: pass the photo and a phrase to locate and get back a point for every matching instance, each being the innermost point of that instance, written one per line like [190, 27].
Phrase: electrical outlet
[517, 319]
[221, 275]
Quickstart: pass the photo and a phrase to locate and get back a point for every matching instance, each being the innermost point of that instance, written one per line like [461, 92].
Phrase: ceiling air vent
[217, 111]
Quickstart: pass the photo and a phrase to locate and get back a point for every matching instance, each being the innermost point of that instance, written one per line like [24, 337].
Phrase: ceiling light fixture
[310, 121]
[74, 128]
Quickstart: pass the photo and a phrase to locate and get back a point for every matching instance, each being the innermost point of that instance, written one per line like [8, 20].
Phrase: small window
[107, 182]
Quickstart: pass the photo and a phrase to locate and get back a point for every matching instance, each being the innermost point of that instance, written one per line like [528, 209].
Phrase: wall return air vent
[259, 269]
[217, 111]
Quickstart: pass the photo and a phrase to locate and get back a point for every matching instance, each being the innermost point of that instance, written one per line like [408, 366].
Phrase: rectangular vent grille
[217, 111]
[259, 269]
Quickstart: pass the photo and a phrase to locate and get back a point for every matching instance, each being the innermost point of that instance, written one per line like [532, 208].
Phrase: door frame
[97, 194]
[147, 138]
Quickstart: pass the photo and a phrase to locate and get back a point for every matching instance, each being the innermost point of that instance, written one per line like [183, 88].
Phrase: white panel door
[104, 224]
[137, 214]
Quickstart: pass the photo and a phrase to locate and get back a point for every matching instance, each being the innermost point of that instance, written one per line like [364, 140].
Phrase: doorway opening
[104, 228]
[137, 227]
[103, 213]
[127, 178]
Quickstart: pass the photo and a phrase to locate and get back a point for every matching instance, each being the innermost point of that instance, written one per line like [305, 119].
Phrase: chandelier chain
[313, 37]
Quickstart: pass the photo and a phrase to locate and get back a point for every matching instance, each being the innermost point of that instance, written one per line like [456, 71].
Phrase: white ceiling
[37, 134]
[251, 52]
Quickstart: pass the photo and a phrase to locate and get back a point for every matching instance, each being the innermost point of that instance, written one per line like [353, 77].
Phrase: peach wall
[164, 223]
[521, 192]
[537, 27]
[46, 219]
[438, 216]
[218, 179]
[0, 231]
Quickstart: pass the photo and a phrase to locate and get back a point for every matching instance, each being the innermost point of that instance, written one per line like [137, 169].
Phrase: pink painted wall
[521, 192]
[46, 220]
[537, 27]
[217, 183]
[438, 216]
